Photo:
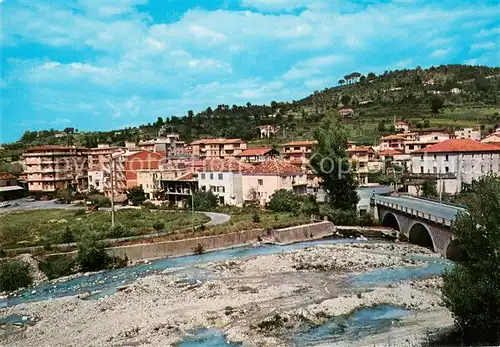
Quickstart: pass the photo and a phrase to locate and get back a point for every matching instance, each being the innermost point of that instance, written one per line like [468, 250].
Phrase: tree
[14, 275]
[159, 122]
[330, 162]
[362, 78]
[471, 290]
[91, 254]
[429, 189]
[136, 195]
[436, 103]
[341, 82]
[284, 200]
[345, 99]
[203, 201]
[371, 76]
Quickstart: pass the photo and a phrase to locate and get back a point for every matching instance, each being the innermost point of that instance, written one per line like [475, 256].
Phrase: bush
[256, 218]
[117, 231]
[367, 220]
[342, 217]
[309, 205]
[14, 275]
[284, 201]
[159, 225]
[58, 266]
[203, 201]
[91, 254]
[67, 236]
[99, 200]
[136, 195]
[198, 249]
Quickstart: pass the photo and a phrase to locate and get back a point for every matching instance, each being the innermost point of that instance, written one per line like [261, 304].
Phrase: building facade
[298, 152]
[217, 148]
[9, 188]
[468, 133]
[49, 168]
[257, 155]
[456, 162]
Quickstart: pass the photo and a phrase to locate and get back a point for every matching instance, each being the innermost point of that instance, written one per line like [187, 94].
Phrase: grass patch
[45, 227]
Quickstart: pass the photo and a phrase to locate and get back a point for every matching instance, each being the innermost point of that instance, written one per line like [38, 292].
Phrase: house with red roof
[217, 148]
[261, 181]
[257, 155]
[456, 162]
[298, 152]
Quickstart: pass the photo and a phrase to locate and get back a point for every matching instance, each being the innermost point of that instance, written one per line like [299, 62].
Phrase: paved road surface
[35, 205]
[216, 218]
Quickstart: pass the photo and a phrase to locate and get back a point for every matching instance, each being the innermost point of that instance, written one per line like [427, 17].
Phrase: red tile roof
[459, 145]
[54, 147]
[390, 152]
[276, 167]
[216, 141]
[360, 149]
[187, 177]
[7, 176]
[225, 165]
[254, 151]
[300, 143]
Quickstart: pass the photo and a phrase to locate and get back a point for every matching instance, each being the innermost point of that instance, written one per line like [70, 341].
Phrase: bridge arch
[420, 235]
[454, 252]
[391, 221]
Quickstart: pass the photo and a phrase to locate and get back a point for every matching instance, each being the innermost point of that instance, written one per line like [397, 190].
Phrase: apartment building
[170, 144]
[257, 155]
[9, 188]
[455, 162]
[364, 162]
[217, 148]
[224, 179]
[49, 168]
[468, 133]
[298, 152]
[270, 176]
[396, 141]
[99, 160]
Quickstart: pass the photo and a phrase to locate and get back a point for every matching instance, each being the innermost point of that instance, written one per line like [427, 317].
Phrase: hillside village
[260, 149]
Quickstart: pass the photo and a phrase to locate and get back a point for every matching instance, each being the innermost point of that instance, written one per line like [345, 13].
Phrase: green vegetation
[203, 201]
[91, 254]
[58, 266]
[330, 162]
[45, 227]
[136, 196]
[429, 188]
[284, 200]
[471, 289]
[14, 275]
[409, 94]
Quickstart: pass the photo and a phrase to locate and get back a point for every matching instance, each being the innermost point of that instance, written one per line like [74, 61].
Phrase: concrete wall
[246, 237]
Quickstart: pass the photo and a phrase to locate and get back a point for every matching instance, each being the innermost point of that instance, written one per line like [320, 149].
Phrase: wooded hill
[447, 96]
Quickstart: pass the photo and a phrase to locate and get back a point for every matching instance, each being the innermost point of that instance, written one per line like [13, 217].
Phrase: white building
[468, 133]
[455, 162]
[455, 90]
[402, 126]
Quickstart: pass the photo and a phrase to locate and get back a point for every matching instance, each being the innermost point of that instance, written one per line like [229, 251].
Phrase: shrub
[14, 275]
[91, 254]
[67, 236]
[367, 220]
[342, 217]
[284, 200]
[99, 200]
[256, 218]
[79, 213]
[3, 254]
[203, 201]
[159, 225]
[58, 266]
[136, 195]
[117, 231]
[199, 249]
[150, 205]
[309, 205]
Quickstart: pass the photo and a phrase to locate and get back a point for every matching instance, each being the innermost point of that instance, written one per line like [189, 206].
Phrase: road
[216, 218]
[35, 205]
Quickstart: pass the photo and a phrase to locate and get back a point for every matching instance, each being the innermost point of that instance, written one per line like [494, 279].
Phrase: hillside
[422, 97]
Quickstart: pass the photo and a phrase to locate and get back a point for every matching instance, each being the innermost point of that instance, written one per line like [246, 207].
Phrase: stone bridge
[424, 222]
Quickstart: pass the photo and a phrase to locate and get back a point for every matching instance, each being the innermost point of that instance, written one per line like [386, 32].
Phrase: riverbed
[329, 292]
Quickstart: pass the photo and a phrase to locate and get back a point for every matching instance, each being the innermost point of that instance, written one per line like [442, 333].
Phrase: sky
[101, 65]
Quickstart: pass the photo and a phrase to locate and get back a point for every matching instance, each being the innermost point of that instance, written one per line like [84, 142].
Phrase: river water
[361, 323]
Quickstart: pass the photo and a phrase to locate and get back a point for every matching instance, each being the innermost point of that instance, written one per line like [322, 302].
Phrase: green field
[43, 227]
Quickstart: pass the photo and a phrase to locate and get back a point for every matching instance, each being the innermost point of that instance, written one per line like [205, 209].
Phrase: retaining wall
[246, 237]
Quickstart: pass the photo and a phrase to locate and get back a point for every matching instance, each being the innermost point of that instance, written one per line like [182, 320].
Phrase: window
[260, 182]
[211, 176]
[221, 189]
[412, 147]
[97, 183]
[202, 176]
[482, 168]
[446, 169]
[213, 189]
[421, 169]
[482, 155]
[435, 157]
[446, 158]
[421, 157]
[296, 148]
[220, 176]
[434, 169]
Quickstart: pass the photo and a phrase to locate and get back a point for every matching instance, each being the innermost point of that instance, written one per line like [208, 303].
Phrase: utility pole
[192, 204]
[112, 167]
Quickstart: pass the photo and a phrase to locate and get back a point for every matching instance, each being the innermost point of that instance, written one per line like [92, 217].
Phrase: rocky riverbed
[259, 301]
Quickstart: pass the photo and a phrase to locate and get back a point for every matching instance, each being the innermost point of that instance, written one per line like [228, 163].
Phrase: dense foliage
[284, 200]
[330, 162]
[91, 254]
[14, 275]
[203, 201]
[429, 188]
[136, 195]
[472, 289]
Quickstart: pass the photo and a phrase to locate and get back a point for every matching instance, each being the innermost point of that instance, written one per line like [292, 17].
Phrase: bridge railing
[414, 212]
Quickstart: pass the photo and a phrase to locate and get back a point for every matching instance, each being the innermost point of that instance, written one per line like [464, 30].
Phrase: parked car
[4, 204]
[29, 199]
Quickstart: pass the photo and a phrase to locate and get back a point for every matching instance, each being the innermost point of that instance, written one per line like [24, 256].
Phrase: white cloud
[275, 5]
[203, 33]
[439, 53]
[489, 32]
[484, 45]
[404, 63]
[472, 61]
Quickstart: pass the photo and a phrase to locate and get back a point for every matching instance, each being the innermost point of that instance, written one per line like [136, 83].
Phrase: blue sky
[99, 65]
